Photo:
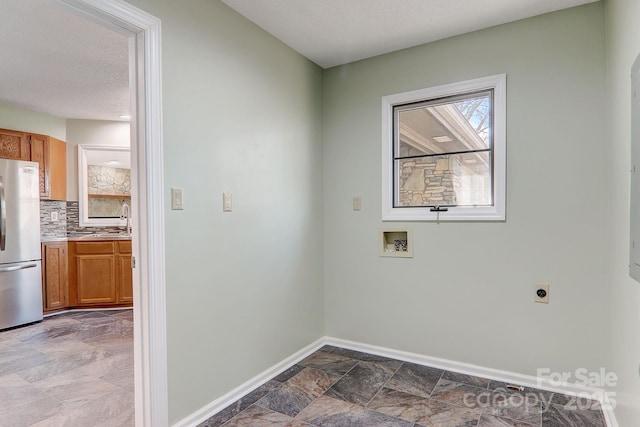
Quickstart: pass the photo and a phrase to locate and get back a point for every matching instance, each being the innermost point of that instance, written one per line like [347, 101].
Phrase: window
[444, 153]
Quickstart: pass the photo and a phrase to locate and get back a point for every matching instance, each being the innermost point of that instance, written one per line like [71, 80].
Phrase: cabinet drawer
[95, 248]
[124, 246]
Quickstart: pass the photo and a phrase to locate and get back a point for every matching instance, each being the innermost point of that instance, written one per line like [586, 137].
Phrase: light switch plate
[54, 216]
[176, 199]
[226, 202]
[357, 203]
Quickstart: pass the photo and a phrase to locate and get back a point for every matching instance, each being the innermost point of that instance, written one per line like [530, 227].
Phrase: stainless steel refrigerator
[20, 269]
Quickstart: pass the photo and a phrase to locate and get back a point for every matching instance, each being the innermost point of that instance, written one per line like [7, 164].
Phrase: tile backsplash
[73, 217]
[68, 222]
[53, 229]
[73, 222]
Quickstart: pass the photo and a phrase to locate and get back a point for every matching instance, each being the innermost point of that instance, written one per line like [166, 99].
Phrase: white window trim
[497, 212]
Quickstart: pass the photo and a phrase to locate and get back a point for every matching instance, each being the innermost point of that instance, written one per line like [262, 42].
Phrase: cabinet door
[125, 281]
[57, 169]
[96, 279]
[54, 271]
[14, 145]
[40, 153]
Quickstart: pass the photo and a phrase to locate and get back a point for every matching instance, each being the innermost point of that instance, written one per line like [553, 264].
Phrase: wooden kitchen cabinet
[125, 276]
[51, 155]
[100, 273]
[54, 276]
[14, 145]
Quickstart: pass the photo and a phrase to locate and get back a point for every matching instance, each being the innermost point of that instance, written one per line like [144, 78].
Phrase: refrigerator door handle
[3, 217]
[17, 267]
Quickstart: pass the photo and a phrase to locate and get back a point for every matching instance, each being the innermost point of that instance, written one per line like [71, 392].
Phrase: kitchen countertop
[98, 236]
[86, 237]
[53, 239]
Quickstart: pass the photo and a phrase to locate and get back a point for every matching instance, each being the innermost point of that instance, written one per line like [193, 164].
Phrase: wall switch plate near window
[357, 203]
[541, 293]
[176, 199]
[226, 202]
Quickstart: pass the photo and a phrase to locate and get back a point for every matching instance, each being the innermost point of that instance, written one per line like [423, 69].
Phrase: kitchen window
[444, 152]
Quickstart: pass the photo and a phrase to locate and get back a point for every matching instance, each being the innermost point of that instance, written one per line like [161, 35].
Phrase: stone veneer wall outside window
[429, 180]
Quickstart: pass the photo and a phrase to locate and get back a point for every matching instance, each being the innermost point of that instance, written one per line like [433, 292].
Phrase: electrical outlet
[54, 216]
[541, 293]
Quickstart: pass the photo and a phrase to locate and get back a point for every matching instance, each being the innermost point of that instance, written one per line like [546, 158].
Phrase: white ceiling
[57, 62]
[335, 32]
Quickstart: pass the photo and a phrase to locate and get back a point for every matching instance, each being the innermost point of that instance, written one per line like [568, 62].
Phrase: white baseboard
[223, 401]
[609, 415]
[420, 359]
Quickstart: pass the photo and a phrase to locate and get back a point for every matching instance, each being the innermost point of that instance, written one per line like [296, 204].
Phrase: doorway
[143, 31]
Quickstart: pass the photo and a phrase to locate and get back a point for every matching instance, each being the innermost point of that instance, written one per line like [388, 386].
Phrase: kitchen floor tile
[415, 379]
[72, 369]
[298, 392]
[423, 411]
[558, 416]
[329, 362]
[329, 412]
[362, 382]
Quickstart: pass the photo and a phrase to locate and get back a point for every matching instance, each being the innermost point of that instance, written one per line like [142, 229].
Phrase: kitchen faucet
[125, 213]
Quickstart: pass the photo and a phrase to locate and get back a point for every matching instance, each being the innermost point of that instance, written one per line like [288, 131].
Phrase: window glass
[449, 180]
[442, 151]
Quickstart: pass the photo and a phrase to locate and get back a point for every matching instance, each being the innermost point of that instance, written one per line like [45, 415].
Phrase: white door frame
[151, 399]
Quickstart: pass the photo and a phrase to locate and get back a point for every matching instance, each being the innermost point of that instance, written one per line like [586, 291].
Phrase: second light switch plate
[226, 202]
[357, 203]
[176, 199]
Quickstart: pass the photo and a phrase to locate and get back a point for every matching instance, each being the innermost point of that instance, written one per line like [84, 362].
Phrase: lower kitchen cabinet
[123, 267]
[54, 276]
[100, 273]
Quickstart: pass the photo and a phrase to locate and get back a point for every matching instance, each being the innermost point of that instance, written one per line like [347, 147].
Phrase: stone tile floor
[335, 387]
[73, 369]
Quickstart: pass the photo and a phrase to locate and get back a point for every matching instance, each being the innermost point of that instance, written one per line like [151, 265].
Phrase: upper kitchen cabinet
[51, 155]
[49, 152]
[14, 145]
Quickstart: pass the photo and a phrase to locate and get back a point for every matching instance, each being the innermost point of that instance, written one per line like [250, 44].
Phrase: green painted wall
[242, 114]
[623, 46]
[30, 121]
[467, 295]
